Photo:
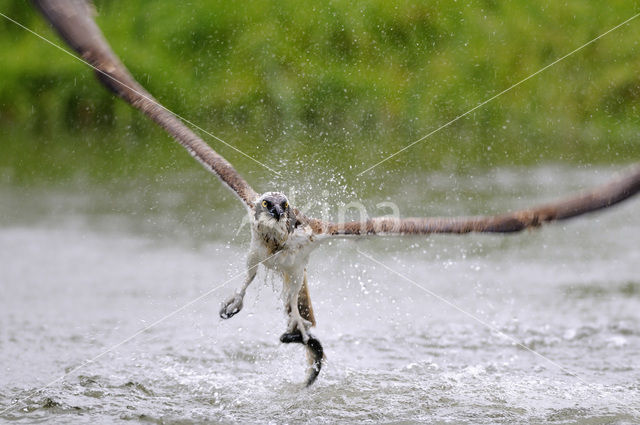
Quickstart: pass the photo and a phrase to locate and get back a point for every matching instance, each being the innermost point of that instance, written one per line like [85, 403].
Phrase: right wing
[74, 22]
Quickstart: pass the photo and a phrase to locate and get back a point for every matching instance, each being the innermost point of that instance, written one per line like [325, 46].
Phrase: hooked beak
[276, 211]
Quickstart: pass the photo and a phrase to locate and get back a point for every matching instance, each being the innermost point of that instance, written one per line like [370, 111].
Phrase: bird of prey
[282, 237]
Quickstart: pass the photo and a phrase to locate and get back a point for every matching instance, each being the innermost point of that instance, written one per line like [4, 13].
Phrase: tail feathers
[304, 302]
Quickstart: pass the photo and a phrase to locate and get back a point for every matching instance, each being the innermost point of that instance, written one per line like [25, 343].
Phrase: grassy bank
[328, 85]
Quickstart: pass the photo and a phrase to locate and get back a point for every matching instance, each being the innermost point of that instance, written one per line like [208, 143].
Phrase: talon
[298, 324]
[231, 306]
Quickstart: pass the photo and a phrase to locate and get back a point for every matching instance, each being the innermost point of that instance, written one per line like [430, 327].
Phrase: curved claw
[298, 324]
[231, 306]
[315, 353]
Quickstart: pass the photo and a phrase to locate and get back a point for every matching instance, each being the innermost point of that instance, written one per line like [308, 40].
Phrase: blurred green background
[327, 86]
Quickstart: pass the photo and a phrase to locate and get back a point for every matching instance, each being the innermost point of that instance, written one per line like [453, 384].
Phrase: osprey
[282, 237]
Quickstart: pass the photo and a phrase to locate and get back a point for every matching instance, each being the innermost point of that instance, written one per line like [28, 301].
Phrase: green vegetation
[330, 84]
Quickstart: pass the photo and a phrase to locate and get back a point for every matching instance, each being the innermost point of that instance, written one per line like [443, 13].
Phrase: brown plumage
[304, 302]
[596, 199]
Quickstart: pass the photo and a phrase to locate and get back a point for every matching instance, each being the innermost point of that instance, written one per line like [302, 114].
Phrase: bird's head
[272, 206]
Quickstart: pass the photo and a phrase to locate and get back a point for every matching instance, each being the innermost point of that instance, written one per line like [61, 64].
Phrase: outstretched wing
[596, 199]
[74, 22]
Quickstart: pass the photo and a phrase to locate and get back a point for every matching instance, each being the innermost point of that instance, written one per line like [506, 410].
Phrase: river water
[539, 327]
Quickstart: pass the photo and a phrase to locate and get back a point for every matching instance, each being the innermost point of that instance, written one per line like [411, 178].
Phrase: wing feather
[73, 19]
[599, 198]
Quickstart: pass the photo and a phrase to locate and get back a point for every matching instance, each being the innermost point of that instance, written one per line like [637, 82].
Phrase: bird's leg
[292, 286]
[233, 304]
[299, 332]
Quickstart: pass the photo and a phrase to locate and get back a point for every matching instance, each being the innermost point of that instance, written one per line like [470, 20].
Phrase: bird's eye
[285, 205]
[264, 204]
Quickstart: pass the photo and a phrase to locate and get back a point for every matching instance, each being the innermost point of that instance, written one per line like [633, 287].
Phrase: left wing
[599, 198]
